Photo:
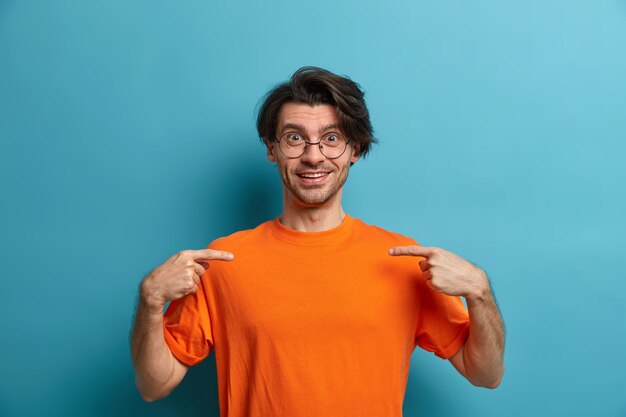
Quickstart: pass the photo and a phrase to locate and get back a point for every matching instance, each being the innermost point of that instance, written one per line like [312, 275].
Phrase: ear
[271, 156]
[356, 154]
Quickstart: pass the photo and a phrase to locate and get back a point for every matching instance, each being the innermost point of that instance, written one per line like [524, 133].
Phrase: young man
[314, 313]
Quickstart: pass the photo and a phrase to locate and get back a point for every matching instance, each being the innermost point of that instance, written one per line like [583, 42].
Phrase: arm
[481, 359]
[157, 371]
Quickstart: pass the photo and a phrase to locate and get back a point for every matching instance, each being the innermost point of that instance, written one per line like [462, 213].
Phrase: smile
[313, 175]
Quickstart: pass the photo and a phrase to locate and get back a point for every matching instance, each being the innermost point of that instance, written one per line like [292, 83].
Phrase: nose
[312, 153]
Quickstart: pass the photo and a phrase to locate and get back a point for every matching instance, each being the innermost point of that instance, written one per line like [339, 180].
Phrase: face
[312, 179]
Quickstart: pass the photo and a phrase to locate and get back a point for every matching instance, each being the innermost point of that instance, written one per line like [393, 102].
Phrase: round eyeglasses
[293, 144]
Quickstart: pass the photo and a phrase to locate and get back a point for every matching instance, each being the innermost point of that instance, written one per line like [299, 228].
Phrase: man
[314, 313]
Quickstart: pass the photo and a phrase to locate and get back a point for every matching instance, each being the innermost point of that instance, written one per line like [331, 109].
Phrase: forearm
[153, 361]
[483, 354]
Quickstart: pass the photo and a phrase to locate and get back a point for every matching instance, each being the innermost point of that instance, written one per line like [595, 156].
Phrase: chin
[313, 200]
[313, 195]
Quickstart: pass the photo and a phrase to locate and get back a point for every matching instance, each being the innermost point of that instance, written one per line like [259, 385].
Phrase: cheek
[283, 168]
[346, 165]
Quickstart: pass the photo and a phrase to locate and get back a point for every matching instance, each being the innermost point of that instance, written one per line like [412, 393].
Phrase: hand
[177, 277]
[446, 272]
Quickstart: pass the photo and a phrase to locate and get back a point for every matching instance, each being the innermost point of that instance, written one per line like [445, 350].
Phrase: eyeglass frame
[307, 143]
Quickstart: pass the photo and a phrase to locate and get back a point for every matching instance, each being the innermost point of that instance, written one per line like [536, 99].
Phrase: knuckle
[436, 250]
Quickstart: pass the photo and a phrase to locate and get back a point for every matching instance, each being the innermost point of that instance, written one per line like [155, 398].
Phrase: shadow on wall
[109, 390]
[425, 395]
[249, 191]
[197, 395]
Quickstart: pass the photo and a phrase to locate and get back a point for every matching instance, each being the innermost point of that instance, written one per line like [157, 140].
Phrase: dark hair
[313, 86]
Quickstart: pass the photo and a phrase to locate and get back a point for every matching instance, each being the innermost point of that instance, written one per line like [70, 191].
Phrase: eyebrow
[300, 128]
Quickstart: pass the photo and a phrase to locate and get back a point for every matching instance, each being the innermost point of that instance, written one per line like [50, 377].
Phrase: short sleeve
[187, 327]
[443, 323]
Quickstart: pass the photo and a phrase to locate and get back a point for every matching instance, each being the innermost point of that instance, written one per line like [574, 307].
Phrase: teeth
[317, 175]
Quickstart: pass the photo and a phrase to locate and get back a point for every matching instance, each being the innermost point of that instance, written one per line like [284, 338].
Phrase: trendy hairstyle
[314, 86]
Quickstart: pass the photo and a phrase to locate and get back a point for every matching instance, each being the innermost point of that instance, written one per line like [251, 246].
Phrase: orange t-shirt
[313, 324]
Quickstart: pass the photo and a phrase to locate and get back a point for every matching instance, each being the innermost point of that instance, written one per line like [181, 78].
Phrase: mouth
[312, 177]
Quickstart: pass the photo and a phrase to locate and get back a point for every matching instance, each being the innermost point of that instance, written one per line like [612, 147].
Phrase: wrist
[149, 298]
[481, 292]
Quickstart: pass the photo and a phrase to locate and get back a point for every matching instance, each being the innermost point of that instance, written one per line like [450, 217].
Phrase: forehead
[308, 117]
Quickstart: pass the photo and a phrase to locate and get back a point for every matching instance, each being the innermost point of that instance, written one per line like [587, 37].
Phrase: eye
[293, 137]
[333, 139]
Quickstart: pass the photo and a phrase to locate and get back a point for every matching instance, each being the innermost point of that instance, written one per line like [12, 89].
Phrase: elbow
[149, 399]
[491, 383]
[151, 395]
[486, 384]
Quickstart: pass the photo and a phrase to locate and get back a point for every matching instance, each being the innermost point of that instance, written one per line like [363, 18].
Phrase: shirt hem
[456, 344]
[178, 351]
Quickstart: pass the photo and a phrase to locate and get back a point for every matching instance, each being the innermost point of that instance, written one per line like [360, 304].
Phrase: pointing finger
[211, 254]
[411, 251]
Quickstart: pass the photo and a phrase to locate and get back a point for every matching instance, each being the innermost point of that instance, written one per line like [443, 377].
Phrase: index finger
[211, 254]
[411, 251]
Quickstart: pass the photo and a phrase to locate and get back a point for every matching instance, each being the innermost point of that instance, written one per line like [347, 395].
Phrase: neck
[312, 218]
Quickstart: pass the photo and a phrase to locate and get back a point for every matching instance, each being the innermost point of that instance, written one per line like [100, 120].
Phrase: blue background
[127, 134]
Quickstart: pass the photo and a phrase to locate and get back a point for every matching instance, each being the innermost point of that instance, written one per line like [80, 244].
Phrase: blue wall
[127, 134]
